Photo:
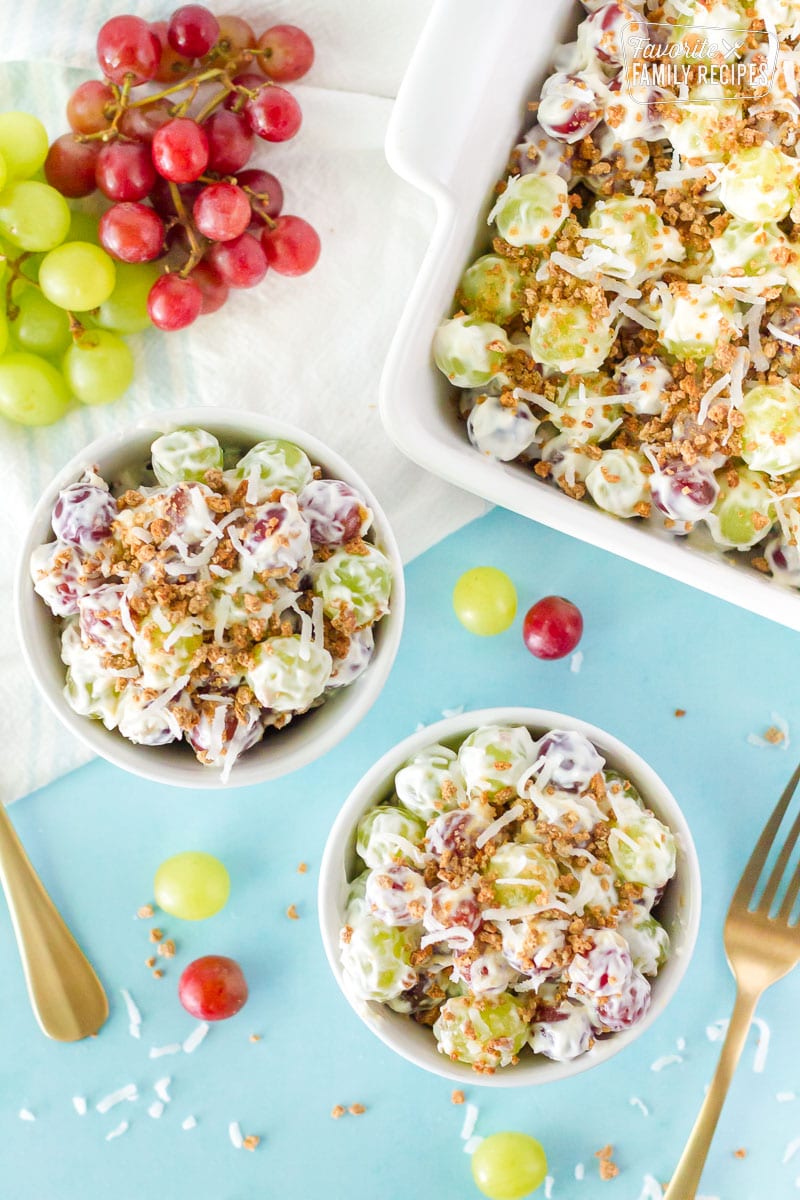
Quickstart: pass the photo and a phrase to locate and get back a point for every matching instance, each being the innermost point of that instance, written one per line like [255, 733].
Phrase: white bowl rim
[534, 1071]
[355, 701]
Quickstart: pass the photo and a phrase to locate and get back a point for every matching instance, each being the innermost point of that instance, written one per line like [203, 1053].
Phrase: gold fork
[760, 950]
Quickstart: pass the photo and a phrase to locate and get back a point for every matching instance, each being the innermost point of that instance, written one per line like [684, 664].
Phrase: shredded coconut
[79, 1104]
[117, 1131]
[580, 1171]
[161, 1088]
[666, 1060]
[576, 662]
[25, 1114]
[500, 823]
[635, 1102]
[195, 1038]
[235, 1134]
[128, 1092]
[155, 1110]
[188, 1123]
[471, 1145]
[470, 1118]
[134, 1016]
[160, 1051]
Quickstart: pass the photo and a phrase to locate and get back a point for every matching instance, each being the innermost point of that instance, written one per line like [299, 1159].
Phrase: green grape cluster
[65, 301]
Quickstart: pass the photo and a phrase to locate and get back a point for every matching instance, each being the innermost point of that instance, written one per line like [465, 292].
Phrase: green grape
[23, 143]
[531, 210]
[277, 464]
[470, 352]
[29, 267]
[98, 367]
[40, 327]
[285, 676]
[744, 509]
[192, 885]
[523, 862]
[34, 216]
[185, 454]
[647, 940]
[634, 237]
[3, 332]
[125, 310]
[377, 957]
[360, 584]
[771, 432]
[494, 757]
[162, 667]
[485, 601]
[571, 337]
[491, 288]
[488, 1032]
[759, 183]
[3, 172]
[643, 851]
[32, 391]
[77, 276]
[378, 833]
[82, 228]
[508, 1166]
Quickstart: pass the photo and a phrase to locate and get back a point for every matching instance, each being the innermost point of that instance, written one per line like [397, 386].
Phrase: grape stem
[215, 101]
[183, 217]
[15, 268]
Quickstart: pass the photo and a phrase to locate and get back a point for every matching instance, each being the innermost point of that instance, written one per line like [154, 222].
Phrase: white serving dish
[679, 912]
[459, 112]
[304, 739]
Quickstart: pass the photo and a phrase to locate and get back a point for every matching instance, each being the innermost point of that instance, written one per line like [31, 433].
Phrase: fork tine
[755, 864]
[792, 892]
[773, 883]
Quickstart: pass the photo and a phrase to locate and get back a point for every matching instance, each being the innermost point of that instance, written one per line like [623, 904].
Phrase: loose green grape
[619, 483]
[744, 510]
[486, 1033]
[508, 1166]
[485, 601]
[98, 367]
[287, 677]
[385, 834]
[33, 216]
[532, 209]
[759, 183]
[643, 851]
[77, 276]
[491, 288]
[39, 327]
[83, 227]
[571, 337]
[185, 454]
[23, 143]
[523, 862]
[470, 352]
[32, 391]
[694, 320]
[635, 239]
[125, 310]
[192, 885]
[360, 584]
[276, 464]
[771, 432]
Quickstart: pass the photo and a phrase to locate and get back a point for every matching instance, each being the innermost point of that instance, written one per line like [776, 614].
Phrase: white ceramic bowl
[459, 112]
[304, 739]
[679, 911]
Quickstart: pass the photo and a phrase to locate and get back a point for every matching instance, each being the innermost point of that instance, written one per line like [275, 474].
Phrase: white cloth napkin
[307, 350]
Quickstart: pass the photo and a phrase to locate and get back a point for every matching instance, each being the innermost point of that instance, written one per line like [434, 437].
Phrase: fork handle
[686, 1178]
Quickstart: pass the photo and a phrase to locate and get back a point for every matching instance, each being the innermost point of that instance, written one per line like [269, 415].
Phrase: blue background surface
[650, 646]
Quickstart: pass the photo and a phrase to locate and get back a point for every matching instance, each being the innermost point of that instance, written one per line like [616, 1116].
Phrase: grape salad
[220, 595]
[506, 895]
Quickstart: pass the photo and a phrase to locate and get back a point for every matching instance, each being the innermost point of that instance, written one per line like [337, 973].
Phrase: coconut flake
[579, 1172]
[125, 615]
[155, 1110]
[754, 317]
[188, 1123]
[216, 733]
[524, 910]
[134, 1016]
[715, 390]
[25, 1114]
[652, 1189]
[253, 479]
[470, 1118]
[783, 725]
[637, 317]
[548, 1187]
[166, 697]
[790, 1151]
[195, 1038]
[220, 572]
[576, 662]
[224, 606]
[128, 1092]
[471, 1145]
[454, 934]
[666, 1060]
[416, 855]
[235, 1134]
[227, 520]
[782, 335]
[79, 1104]
[160, 618]
[117, 1131]
[762, 1049]
[161, 1088]
[500, 823]
[160, 1051]
[235, 747]
[635, 1102]
[717, 1030]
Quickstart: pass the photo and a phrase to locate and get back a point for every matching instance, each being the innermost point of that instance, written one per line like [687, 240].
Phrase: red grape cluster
[173, 161]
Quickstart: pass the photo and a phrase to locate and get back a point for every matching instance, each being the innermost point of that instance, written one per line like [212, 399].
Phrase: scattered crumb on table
[156, 935]
[158, 974]
[773, 735]
[357, 1109]
[251, 1141]
[145, 911]
[457, 1097]
[150, 962]
[167, 949]
[337, 1111]
[255, 1037]
[680, 712]
[292, 913]
[608, 1168]
[740, 1153]
[302, 868]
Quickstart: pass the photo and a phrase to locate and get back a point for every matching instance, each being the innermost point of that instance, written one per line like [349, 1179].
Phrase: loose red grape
[221, 212]
[124, 170]
[192, 31]
[286, 53]
[241, 262]
[212, 988]
[230, 141]
[70, 165]
[140, 123]
[273, 114]
[180, 150]
[552, 627]
[292, 247]
[211, 284]
[264, 192]
[235, 35]
[132, 233]
[127, 47]
[86, 106]
[173, 66]
[174, 303]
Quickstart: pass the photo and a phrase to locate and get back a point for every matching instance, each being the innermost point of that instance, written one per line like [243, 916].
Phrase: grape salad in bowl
[509, 897]
[208, 596]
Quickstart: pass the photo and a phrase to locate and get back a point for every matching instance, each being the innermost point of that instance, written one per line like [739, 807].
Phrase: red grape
[140, 123]
[212, 988]
[221, 212]
[235, 35]
[70, 165]
[211, 284]
[292, 247]
[86, 106]
[180, 150]
[230, 142]
[83, 515]
[286, 53]
[124, 170]
[161, 196]
[241, 262]
[273, 114]
[552, 627]
[192, 30]
[127, 47]
[173, 66]
[264, 192]
[174, 303]
[132, 233]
